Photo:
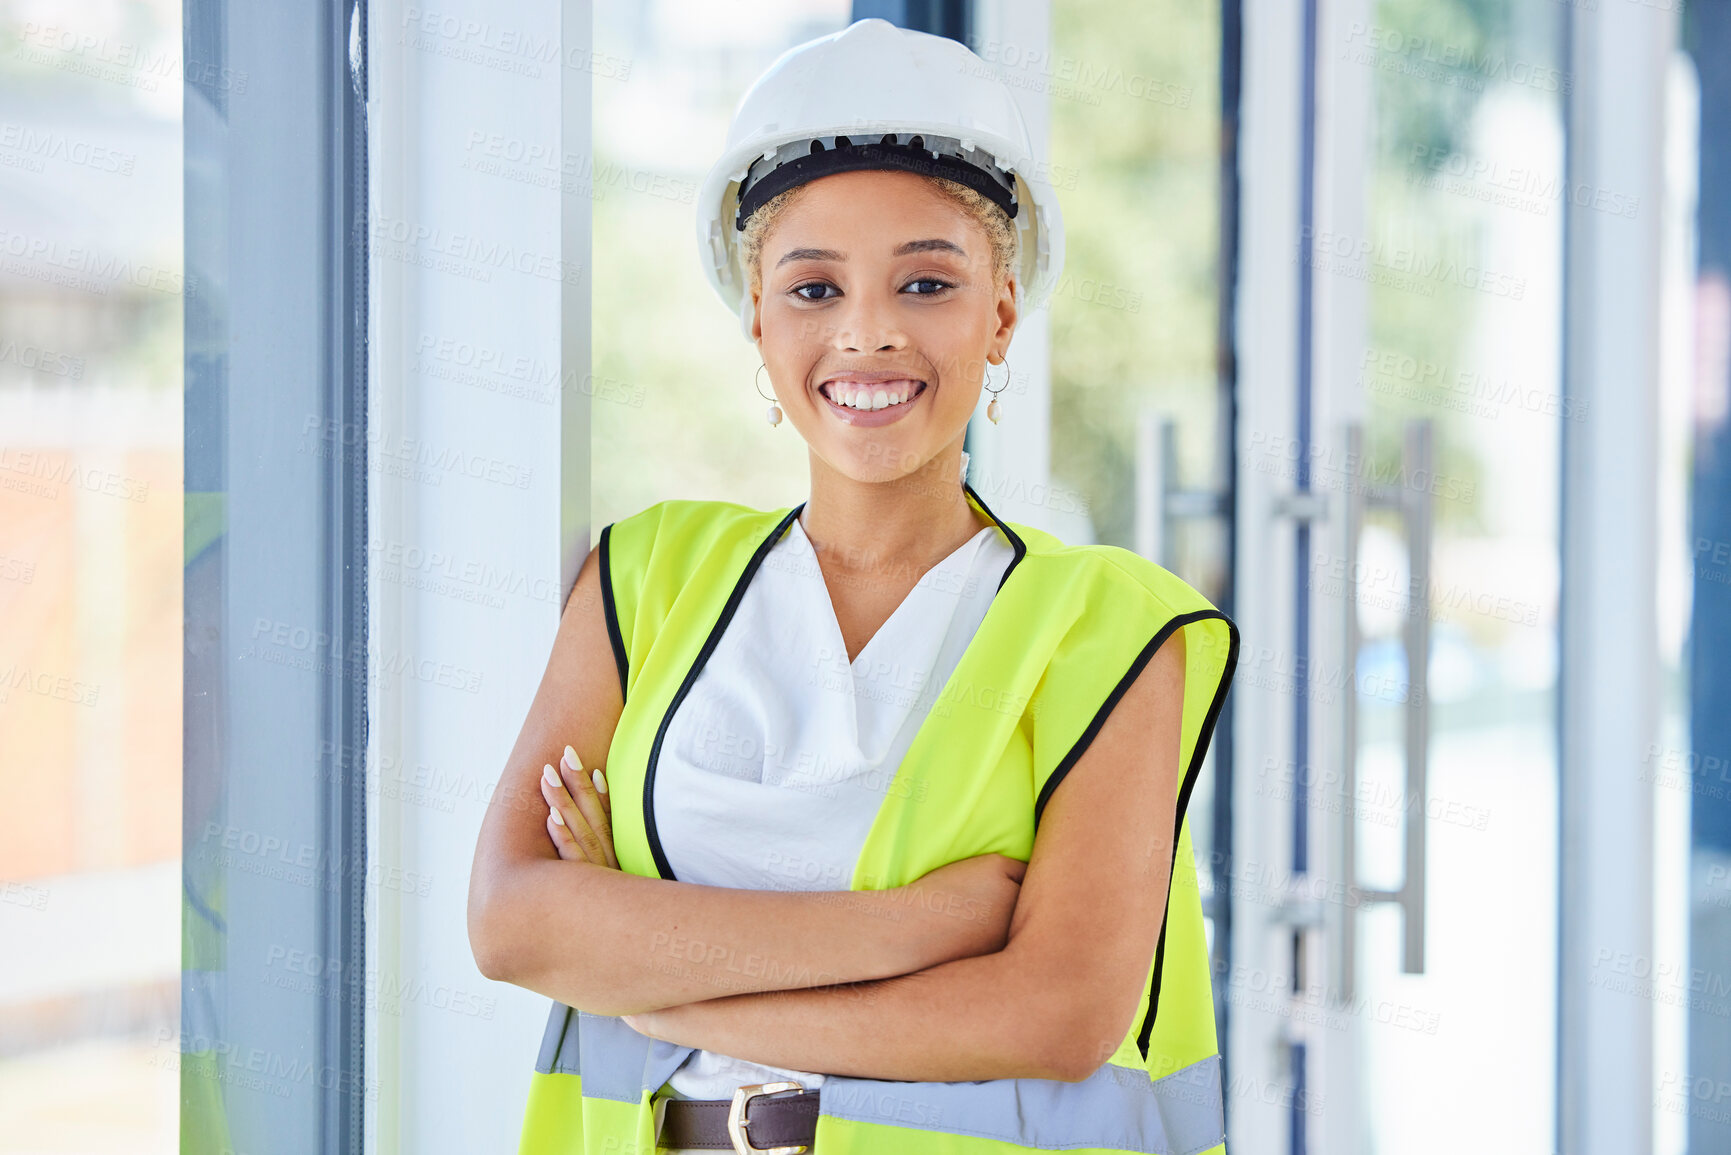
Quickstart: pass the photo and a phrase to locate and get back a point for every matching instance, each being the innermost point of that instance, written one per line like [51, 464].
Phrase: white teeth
[870, 397]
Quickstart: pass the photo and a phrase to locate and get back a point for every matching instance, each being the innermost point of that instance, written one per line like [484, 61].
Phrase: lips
[881, 393]
[869, 395]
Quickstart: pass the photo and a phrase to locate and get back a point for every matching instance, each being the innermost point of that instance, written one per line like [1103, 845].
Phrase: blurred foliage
[675, 409]
[1434, 62]
[1135, 154]
[1416, 111]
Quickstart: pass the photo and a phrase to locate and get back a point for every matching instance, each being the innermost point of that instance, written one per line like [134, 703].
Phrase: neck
[891, 526]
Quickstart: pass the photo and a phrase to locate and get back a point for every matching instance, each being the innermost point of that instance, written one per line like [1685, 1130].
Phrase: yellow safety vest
[1066, 633]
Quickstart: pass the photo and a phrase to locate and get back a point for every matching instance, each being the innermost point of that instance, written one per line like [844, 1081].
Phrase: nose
[866, 324]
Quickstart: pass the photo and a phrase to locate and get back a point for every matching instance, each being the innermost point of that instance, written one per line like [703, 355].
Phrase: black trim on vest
[611, 611]
[1016, 542]
[1191, 773]
[714, 639]
[1202, 739]
[709, 644]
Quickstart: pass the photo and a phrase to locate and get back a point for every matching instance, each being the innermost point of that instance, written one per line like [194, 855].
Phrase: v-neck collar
[993, 611]
[903, 607]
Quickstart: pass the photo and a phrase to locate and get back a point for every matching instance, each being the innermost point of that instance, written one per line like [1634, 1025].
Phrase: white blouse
[777, 760]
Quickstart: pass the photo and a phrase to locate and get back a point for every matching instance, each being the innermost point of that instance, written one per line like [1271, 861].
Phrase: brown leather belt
[765, 1118]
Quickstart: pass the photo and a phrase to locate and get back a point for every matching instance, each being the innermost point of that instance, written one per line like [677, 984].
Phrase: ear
[1008, 314]
[749, 320]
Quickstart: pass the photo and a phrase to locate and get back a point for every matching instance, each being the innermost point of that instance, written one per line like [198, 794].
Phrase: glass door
[1465, 203]
[1402, 413]
[1141, 370]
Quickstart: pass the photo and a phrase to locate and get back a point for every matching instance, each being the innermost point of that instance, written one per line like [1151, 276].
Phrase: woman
[803, 877]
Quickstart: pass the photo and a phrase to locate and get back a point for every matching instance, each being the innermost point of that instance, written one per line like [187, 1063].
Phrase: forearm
[615, 943]
[992, 1016]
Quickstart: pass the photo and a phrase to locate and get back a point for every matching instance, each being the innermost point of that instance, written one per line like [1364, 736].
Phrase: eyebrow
[931, 244]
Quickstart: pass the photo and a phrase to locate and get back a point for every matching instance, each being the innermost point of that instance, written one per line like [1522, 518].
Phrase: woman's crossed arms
[983, 969]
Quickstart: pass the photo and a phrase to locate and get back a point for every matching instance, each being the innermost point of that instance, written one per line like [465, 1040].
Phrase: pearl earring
[774, 410]
[993, 409]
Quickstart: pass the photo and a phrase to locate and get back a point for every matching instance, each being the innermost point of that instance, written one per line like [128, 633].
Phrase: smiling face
[876, 287]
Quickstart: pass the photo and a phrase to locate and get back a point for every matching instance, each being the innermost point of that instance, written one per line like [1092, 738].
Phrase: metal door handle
[1160, 503]
[1413, 503]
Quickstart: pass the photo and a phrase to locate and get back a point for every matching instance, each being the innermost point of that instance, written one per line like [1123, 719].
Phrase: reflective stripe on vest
[1116, 1108]
[1066, 634]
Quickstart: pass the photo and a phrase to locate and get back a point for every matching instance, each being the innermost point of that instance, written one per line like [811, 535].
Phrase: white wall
[470, 282]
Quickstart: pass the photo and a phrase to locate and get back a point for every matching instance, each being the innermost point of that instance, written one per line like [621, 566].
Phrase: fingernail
[571, 759]
[551, 775]
[558, 817]
[600, 782]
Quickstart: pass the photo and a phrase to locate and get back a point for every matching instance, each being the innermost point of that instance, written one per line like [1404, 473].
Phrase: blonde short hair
[1000, 231]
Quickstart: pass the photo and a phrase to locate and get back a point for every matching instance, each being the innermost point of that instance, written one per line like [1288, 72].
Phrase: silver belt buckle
[737, 1122]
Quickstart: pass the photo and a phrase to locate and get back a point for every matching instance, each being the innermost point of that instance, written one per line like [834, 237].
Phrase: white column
[478, 503]
[1610, 667]
[1267, 324]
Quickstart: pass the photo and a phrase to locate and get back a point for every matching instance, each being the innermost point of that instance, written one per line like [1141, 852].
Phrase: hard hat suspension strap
[928, 155]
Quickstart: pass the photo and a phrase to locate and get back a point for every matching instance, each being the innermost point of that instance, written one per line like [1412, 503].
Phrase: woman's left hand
[644, 1023]
[579, 812]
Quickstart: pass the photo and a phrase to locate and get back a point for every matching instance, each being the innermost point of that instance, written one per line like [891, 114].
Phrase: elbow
[1069, 1024]
[1076, 1037]
[492, 962]
[494, 952]
[1086, 1054]
[1076, 1055]
[1070, 1050]
[1069, 1057]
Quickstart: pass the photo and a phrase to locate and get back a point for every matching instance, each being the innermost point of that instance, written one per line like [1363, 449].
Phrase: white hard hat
[877, 96]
